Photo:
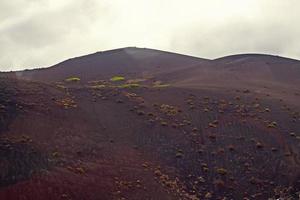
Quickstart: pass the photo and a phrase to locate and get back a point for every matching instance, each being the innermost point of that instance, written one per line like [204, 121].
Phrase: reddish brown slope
[264, 74]
[248, 69]
[78, 142]
[107, 140]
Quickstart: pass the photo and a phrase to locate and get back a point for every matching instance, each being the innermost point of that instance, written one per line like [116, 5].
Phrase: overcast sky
[40, 33]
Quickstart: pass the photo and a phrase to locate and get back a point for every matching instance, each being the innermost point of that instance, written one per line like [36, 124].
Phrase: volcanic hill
[137, 123]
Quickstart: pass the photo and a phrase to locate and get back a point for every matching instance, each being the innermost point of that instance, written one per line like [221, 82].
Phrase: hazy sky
[38, 33]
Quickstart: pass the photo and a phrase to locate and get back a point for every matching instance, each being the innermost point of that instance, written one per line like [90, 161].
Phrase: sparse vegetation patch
[129, 85]
[72, 79]
[67, 103]
[117, 78]
[97, 86]
[161, 86]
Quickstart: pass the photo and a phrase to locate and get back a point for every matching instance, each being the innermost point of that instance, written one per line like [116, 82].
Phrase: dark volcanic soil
[170, 127]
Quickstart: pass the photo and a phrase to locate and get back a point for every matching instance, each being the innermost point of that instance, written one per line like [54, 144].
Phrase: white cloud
[37, 33]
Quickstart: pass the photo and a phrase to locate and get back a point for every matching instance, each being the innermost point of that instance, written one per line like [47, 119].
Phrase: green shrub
[117, 78]
[131, 85]
[72, 79]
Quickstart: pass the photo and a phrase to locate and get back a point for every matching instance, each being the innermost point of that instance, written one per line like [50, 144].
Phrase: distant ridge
[253, 56]
[104, 64]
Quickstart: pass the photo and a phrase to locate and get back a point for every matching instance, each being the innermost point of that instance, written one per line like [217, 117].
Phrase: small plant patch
[59, 86]
[168, 109]
[161, 86]
[130, 85]
[272, 125]
[138, 80]
[72, 79]
[97, 86]
[117, 78]
[66, 103]
[222, 171]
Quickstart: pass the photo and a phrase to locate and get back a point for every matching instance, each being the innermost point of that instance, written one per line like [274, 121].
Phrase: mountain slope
[137, 62]
[131, 61]
[247, 68]
[169, 127]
